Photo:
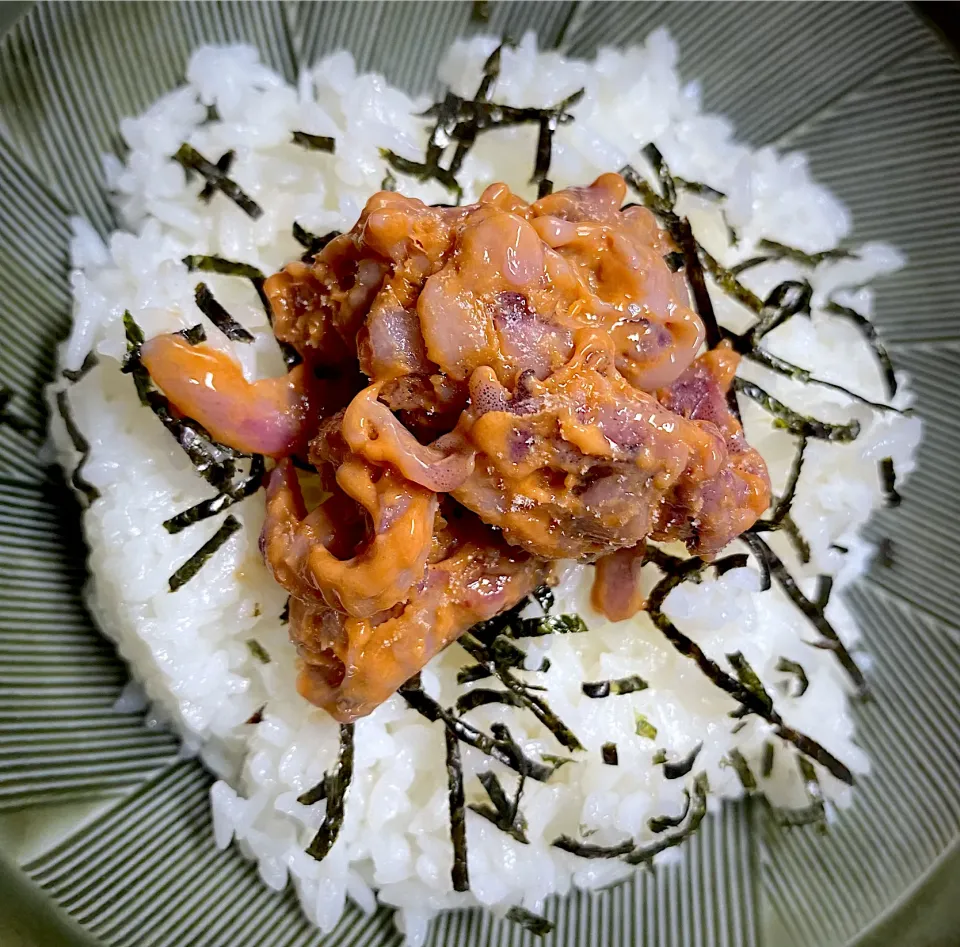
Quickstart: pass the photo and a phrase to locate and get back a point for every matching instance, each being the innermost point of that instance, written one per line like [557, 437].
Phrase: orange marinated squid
[385, 552]
[501, 385]
[273, 416]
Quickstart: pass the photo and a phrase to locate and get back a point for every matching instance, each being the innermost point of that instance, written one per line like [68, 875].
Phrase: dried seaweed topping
[608, 753]
[501, 748]
[766, 761]
[679, 768]
[814, 614]
[643, 728]
[258, 651]
[192, 160]
[483, 696]
[749, 679]
[459, 874]
[505, 812]
[661, 823]
[501, 665]
[229, 495]
[536, 924]
[194, 335]
[337, 785]
[888, 480]
[869, 332]
[794, 422]
[750, 699]
[311, 142]
[206, 263]
[80, 445]
[215, 462]
[219, 316]
[737, 760]
[197, 561]
[90, 362]
[638, 855]
[623, 685]
[786, 666]
[224, 164]
[423, 171]
[548, 125]
[780, 251]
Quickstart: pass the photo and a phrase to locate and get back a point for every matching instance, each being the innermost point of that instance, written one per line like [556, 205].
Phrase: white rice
[188, 649]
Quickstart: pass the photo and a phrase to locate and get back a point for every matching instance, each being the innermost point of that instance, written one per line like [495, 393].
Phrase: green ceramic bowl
[105, 834]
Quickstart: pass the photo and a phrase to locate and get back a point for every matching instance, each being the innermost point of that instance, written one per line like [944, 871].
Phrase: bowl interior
[99, 812]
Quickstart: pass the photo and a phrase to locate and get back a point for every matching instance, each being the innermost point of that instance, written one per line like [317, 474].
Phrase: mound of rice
[190, 650]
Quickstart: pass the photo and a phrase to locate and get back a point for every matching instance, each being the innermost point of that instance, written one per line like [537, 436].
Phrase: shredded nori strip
[792, 667]
[638, 855]
[194, 335]
[473, 672]
[459, 874]
[482, 696]
[701, 189]
[219, 316]
[780, 251]
[389, 182]
[790, 420]
[814, 615]
[784, 301]
[258, 651]
[888, 479]
[608, 753]
[643, 727]
[468, 134]
[501, 748]
[196, 562]
[674, 260]
[422, 171]
[504, 813]
[230, 495]
[207, 263]
[623, 685]
[501, 666]
[679, 228]
[680, 768]
[90, 362]
[192, 160]
[543, 595]
[751, 701]
[536, 924]
[80, 444]
[869, 331]
[749, 679]
[312, 243]
[317, 794]
[766, 761]
[337, 786]
[285, 614]
[549, 625]
[257, 716]
[661, 823]
[744, 773]
[314, 142]
[224, 163]
[814, 813]
[548, 125]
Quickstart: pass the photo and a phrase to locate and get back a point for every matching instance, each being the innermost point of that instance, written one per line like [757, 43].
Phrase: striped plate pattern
[158, 841]
[60, 739]
[863, 88]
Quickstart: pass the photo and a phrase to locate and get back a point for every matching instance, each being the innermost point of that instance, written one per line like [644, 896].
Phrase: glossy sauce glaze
[484, 390]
